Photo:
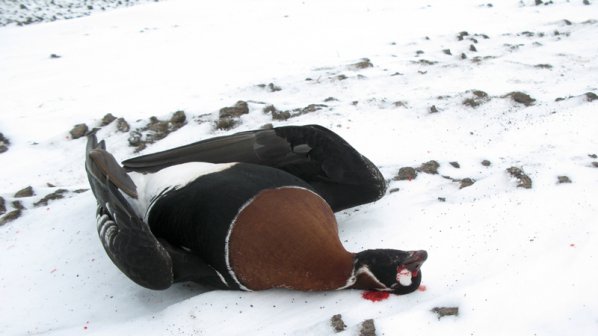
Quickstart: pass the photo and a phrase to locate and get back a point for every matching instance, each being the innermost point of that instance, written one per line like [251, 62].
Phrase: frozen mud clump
[367, 328]
[591, 96]
[122, 125]
[477, 98]
[58, 194]
[430, 167]
[563, 179]
[406, 173]
[364, 63]
[25, 192]
[78, 131]
[337, 323]
[9, 217]
[229, 116]
[466, 182]
[155, 130]
[521, 98]
[446, 311]
[524, 180]
[4, 142]
[107, 119]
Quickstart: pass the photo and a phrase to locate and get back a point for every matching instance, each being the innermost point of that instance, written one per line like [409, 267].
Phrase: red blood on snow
[375, 296]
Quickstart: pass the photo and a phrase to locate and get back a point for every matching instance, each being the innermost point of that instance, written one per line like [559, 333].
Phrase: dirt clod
[337, 323]
[9, 217]
[178, 119]
[107, 119]
[4, 142]
[563, 179]
[486, 163]
[2, 205]
[78, 131]
[472, 48]
[406, 173]
[524, 180]
[591, 96]
[595, 164]
[430, 167]
[466, 182]
[364, 63]
[447, 52]
[235, 111]
[455, 164]
[478, 97]
[122, 125]
[445, 311]
[271, 87]
[367, 328]
[226, 123]
[521, 98]
[58, 194]
[18, 205]
[25, 192]
[433, 109]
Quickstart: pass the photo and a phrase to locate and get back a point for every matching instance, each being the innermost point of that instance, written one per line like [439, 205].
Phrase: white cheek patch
[404, 277]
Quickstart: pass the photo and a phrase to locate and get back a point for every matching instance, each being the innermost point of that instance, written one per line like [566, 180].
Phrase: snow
[515, 261]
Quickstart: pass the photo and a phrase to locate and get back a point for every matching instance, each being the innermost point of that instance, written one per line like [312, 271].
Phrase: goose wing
[338, 172]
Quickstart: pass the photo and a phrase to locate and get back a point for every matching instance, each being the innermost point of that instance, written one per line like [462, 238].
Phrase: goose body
[250, 211]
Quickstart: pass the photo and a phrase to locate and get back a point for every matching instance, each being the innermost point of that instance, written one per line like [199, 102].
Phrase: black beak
[415, 260]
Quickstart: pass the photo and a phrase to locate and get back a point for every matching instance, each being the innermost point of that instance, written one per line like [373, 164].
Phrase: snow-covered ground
[445, 81]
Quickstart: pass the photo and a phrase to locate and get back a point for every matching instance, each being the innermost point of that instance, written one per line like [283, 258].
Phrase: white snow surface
[515, 261]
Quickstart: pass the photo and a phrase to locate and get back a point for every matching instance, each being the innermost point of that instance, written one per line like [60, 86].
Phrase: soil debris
[4, 142]
[337, 323]
[17, 205]
[455, 164]
[593, 156]
[433, 109]
[591, 96]
[271, 87]
[122, 125]
[466, 182]
[240, 108]
[78, 131]
[478, 98]
[406, 173]
[445, 311]
[524, 180]
[563, 179]
[521, 98]
[595, 164]
[58, 194]
[393, 190]
[107, 119]
[155, 130]
[25, 192]
[364, 63]
[2, 205]
[447, 52]
[367, 328]
[228, 116]
[430, 167]
[11, 216]
[284, 115]
[486, 163]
